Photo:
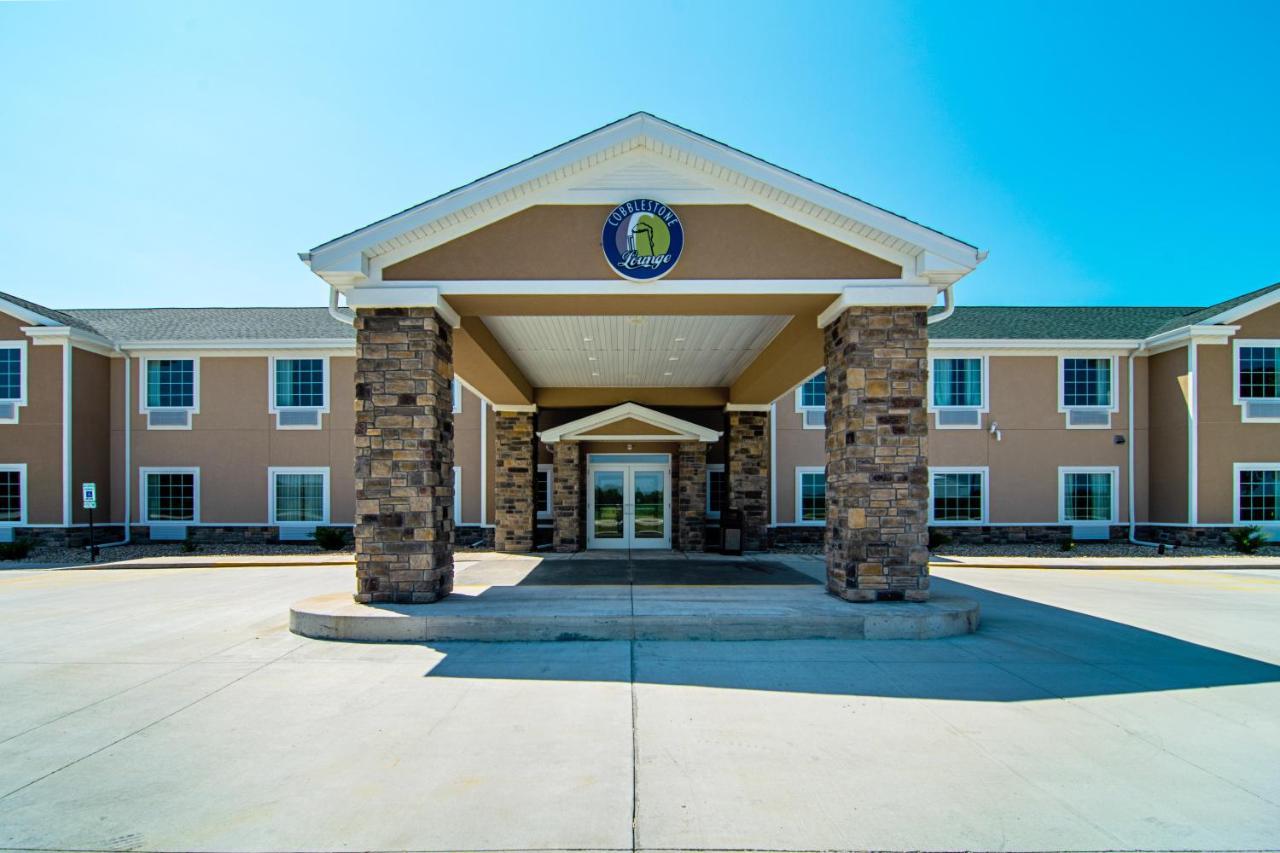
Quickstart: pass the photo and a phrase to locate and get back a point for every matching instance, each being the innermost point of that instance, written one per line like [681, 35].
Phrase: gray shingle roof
[213, 324]
[1202, 314]
[1044, 323]
[52, 313]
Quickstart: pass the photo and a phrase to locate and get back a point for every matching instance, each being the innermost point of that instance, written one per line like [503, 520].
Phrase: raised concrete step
[535, 614]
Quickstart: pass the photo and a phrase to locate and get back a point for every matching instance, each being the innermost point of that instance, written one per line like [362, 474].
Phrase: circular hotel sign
[642, 239]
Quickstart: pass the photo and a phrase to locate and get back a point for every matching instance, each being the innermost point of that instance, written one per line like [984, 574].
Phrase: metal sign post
[89, 491]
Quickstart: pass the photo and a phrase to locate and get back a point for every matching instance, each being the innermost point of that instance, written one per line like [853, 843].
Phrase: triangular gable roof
[671, 428]
[660, 150]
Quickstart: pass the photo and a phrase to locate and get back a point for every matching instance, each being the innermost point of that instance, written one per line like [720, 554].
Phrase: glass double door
[629, 506]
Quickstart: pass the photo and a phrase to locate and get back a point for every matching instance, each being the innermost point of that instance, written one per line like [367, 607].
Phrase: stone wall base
[1191, 537]
[792, 535]
[1012, 534]
[473, 536]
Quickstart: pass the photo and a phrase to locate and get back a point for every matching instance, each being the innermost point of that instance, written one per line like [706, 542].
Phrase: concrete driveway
[172, 710]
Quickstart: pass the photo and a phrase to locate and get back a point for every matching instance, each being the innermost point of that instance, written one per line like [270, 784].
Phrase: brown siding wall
[1223, 438]
[1168, 453]
[722, 241]
[36, 439]
[91, 401]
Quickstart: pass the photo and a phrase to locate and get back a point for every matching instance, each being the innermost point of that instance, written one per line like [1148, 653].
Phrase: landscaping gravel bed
[1094, 549]
[74, 556]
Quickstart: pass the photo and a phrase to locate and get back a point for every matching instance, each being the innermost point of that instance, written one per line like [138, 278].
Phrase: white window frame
[193, 409]
[550, 471]
[801, 470]
[1064, 470]
[21, 468]
[982, 409]
[719, 467]
[271, 390]
[986, 494]
[271, 495]
[1236, 469]
[801, 408]
[167, 469]
[21, 399]
[1235, 378]
[456, 391]
[1115, 390]
[457, 495]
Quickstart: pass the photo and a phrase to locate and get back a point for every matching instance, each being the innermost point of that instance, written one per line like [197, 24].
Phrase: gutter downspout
[67, 473]
[128, 458]
[1193, 438]
[342, 315]
[948, 306]
[1133, 510]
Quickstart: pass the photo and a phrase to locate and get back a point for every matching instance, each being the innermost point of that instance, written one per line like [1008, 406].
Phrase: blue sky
[182, 154]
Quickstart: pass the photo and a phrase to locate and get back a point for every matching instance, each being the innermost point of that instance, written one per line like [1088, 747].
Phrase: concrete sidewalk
[1219, 563]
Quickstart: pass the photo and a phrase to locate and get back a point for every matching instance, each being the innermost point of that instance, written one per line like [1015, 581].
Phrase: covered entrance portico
[631, 303]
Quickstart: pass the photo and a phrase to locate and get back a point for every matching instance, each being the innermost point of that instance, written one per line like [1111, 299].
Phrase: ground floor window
[715, 490]
[299, 495]
[958, 495]
[13, 494]
[170, 494]
[1258, 494]
[811, 495]
[1087, 495]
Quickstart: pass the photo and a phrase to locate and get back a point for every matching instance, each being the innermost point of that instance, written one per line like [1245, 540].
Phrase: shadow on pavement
[1023, 651]
[648, 572]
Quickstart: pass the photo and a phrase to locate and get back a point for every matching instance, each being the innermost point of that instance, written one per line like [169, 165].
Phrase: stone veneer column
[513, 481]
[404, 455]
[568, 505]
[691, 497]
[877, 455]
[747, 474]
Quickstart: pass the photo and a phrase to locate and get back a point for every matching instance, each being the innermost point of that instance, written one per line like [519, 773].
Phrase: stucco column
[568, 504]
[877, 455]
[513, 480]
[691, 497]
[404, 455]
[747, 474]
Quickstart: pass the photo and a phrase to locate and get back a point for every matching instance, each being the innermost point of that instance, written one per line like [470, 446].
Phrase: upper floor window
[1086, 383]
[715, 490]
[300, 383]
[13, 379]
[1257, 380]
[811, 401]
[811, 495]
[1257, 493]
[957, 382]
[171, 383]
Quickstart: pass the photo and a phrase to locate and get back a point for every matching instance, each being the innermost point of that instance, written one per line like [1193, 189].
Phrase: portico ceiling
[634, 351]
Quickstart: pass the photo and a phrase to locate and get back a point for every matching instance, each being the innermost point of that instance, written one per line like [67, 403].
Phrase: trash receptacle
[731, 532]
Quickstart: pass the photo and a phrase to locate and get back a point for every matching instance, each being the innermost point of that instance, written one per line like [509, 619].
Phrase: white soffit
[636, 351]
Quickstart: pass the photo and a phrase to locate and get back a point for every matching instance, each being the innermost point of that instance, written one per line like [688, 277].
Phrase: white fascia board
[1243, 310]
[1176, 338]
[59, 335]
[26, 315]
[683, 429]
[338, 346]
[750, 407]
[609, 286]
[1035, 346]
[403, 295]
[896, 293]
[348, 253]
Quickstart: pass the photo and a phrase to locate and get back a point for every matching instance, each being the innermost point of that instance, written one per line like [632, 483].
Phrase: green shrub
[1068, 545]
[937, 539]
[16, 550]
[1248, 540]
[331, 538]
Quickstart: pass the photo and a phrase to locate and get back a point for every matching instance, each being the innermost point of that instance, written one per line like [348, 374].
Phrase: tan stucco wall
[466, 454]
[1223, 438]
[91, 401]
[233, 441]
[36, 439]
[1168, 452]
[563, 242]
[796, 447]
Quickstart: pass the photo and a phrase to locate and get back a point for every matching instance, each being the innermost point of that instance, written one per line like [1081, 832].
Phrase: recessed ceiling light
[587, 340]
[668, 373]
[591, 358]
[674, 358]
[595, 373]
[679, 340]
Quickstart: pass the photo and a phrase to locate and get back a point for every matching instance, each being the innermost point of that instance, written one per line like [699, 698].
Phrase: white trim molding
[1113, 389]
[23, 369]
[1064, 470]
[672, 428]
[798, 518]
[985, 487]
[275, 471]
[21, 469]
[143, 472]
[275, 409]
[1242, 402]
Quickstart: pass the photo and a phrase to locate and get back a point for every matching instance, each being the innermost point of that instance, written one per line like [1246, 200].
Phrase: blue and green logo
[642, 239]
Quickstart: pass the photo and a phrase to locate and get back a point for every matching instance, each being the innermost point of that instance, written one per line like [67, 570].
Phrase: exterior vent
[1088, 418]
[297, 533]
[6, 533]
[8, 411]
[169, 419]
[815, 417]
[1258, 409]
[298, 418]
[959, 417]
[1090, 532]
[168, 532]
